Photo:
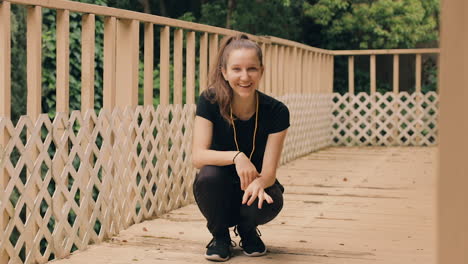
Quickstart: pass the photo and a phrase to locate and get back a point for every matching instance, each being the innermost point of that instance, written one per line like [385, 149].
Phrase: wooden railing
[82, 177]
[396, 65]
[385, 118]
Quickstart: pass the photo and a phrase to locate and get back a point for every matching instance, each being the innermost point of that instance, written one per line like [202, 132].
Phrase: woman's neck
[244, 108]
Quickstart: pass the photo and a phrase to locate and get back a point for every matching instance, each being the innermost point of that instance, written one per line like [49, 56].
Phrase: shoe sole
[256, 254]
[216, 258]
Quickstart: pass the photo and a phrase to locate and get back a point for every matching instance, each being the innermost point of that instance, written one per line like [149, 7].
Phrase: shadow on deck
[342, 205]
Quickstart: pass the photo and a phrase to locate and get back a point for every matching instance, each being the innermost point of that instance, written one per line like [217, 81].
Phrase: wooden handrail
[383, 52]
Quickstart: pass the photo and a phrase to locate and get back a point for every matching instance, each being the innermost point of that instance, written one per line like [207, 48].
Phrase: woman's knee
[212, 176]
[251, 214]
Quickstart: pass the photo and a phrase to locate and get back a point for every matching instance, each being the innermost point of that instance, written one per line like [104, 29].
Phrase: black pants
[219, 197]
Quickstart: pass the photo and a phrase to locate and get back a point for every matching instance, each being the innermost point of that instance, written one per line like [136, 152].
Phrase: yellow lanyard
[255, 130]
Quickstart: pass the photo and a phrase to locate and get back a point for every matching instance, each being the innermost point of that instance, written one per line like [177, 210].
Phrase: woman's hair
[222, 92]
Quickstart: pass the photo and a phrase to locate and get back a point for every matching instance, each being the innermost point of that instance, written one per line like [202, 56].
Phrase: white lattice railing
[310, 124]
[385, 119]
[83, 178]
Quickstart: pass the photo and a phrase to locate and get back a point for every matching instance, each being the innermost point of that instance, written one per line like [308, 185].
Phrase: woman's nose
[244, 75]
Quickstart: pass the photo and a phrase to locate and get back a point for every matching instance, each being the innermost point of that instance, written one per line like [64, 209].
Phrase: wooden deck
[342, 205]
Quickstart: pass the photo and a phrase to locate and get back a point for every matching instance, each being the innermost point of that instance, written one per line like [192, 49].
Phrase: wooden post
[332, 74]
[203, 62]
[178, 67]
[351, 75]
[267, 74]
[418, 73]
[34, 87]
[275, 73]
[320, 72]
[149, 65]
[164, 66]
[63, 64]
[281, 73]
[5, 59]
[63, 95]
[110, 35]
[127, 63]
[396, 73]
[87, 62]
[190, 68]
[452, 213]
[213, 50]
[33, 64]
[396, 106]
[5, 103]
[373, 83]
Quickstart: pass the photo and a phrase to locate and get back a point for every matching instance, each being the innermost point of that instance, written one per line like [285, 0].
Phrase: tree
[374, 24]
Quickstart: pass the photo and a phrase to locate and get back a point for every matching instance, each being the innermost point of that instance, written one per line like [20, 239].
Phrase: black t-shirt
[273, 117]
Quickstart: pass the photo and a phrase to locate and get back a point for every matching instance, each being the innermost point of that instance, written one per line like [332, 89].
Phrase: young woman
[238, 137]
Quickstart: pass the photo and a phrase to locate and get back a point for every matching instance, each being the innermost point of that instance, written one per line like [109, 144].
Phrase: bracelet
[234, 159]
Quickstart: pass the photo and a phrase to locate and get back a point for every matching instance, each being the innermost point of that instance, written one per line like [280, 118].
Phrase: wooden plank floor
[342, 205]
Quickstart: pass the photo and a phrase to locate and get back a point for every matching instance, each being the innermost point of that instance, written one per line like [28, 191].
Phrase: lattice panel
[83, 178]
[385, 119]
[311, 120]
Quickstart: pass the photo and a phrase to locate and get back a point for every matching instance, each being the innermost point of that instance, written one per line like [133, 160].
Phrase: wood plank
[5, 103]
[396, 73]
[261, 86]
[63, 61]
[373, 83]
[164, 66]
[127, 58]
[332, 74]
[267, 74]
[149, 65]
[87, 62]
[203, 62]
[351, 74]
[418, 73]
[190, 68]
[452, 214]
[110, 35]
[213, 51]
[5, 60]
[178, 67]
[275, 73]
[281, 72]
[385, 52]
[34, 63]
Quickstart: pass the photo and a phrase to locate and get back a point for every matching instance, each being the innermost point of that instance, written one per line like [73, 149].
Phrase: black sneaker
[251, 243]
[219, 249]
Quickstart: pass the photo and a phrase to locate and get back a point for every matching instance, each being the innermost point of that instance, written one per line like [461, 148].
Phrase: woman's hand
[245, 169]
[254, 190]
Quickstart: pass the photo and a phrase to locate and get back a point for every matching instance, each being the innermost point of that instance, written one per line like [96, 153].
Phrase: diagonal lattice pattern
[388, 119]
[84, 177]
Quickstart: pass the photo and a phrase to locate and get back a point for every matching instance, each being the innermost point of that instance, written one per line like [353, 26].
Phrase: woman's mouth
[245, 85]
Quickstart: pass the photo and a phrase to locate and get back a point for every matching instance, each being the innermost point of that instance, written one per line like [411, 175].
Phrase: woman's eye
[236, 69]
[253, 69]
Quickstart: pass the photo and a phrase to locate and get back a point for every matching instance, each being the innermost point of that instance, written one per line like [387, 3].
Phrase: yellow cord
[255, 131]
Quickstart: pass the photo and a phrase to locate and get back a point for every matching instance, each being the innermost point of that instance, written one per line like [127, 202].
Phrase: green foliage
[49, 61]
[376, 24]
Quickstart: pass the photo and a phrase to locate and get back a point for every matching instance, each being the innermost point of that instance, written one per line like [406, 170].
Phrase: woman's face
[243, 71]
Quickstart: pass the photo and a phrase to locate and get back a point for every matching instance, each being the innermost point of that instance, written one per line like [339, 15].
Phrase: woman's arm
[271, 158]
[267, 177]
[201, 154]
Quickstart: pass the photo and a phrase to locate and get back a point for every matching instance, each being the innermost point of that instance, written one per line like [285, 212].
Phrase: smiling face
[243, 72]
